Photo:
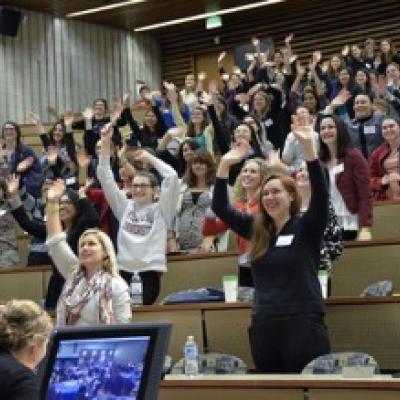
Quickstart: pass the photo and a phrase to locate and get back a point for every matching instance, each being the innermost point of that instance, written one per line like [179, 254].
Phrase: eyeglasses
[140, 185]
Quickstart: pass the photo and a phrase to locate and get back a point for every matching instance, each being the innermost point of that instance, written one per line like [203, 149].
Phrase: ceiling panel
[127, 17]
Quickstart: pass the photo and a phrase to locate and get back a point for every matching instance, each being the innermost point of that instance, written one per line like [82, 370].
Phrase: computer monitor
[118, 362]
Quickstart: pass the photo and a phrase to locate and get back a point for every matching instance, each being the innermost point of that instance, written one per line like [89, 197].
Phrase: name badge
[338, 169]
[268, 122]
[284, 240]
[369, 130]
[70, 181]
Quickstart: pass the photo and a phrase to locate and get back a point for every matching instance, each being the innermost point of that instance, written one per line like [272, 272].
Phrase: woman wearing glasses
[143, 223]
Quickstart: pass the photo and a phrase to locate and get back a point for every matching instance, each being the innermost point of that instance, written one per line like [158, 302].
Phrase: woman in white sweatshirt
[143, 223]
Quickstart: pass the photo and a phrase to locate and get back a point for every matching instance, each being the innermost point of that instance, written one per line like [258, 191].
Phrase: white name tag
[369, 130]
[70, 181]
[284, 240]
[338, 169]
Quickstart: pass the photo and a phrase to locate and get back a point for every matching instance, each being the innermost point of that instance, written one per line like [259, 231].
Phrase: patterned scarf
[78, 292]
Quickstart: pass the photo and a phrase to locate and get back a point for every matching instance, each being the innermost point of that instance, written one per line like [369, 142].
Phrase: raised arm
[316, 217]
[241, 223]
[116, 198]
[34, 228]
[169, 186]
[62, 255]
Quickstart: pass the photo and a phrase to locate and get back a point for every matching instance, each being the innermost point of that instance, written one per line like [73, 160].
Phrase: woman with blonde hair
[24, 333]
[245, 199]
[93, 293]
[287, 329]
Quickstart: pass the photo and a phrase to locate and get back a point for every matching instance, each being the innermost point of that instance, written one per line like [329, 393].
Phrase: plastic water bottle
[136, 289]
[323, 280]
[191, 354]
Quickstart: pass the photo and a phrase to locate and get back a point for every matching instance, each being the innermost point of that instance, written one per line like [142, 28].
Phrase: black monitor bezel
[152, 330]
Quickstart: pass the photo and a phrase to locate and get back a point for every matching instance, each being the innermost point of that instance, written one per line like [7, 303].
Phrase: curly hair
[22, 322]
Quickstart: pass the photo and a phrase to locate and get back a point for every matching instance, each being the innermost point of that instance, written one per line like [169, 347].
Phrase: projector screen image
[98, 369]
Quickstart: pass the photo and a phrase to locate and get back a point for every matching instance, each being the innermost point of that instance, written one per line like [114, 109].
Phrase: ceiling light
[104, 8]
[207, 15]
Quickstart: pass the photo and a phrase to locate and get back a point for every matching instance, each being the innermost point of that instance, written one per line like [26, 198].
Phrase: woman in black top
[287, 329]
[24, 332]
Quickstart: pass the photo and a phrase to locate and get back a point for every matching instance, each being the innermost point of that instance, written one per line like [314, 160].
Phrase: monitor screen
[105, 363]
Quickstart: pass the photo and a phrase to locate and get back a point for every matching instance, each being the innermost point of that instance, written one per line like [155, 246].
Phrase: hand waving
[55, 191]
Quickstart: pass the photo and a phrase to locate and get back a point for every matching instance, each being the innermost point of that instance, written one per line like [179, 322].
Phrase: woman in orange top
[246, 192]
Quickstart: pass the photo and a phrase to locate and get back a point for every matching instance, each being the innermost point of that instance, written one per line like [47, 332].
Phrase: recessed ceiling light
[104, 8]
[207, 15]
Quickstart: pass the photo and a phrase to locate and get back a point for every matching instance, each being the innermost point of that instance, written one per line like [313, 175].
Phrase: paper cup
[230, 284]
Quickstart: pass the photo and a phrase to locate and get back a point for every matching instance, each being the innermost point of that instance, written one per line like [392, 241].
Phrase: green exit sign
[214, 22]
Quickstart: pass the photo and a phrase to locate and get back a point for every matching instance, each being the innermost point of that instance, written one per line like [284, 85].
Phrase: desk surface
[380, 382]
[227, 306]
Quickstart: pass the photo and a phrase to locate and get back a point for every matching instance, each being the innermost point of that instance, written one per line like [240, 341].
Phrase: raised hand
[213, 88]
[88, 113]
[117, 110]
[202, 76]
[169, 86]
[52, 111]
[143, 156]
[300, 70]
[341, 98]
[303, 131]
[52, 154]
[274, 162]
[23, 165]
[13, 185]
[316, 58]
[238, 152]
[126, 98]
[255, 42]
[345, 50]
[177, 132]
[221, 57]
[106, 132]
[33, 118]
[68, 118]
[225, 77]
[83, 158]
[288, 39]
[249, 57]
[56, 190]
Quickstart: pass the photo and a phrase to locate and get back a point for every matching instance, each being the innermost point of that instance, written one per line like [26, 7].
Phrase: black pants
[286, 344]
[150, 282]
[349, 235]
[245, 277]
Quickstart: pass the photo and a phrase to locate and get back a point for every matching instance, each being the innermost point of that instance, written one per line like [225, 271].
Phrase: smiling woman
[287, 328]
[93, 292]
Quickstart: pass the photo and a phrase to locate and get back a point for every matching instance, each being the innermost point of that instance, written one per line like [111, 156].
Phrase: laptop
[117, 362]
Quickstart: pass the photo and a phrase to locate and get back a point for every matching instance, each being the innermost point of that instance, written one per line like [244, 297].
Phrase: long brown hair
[263, 225]
[203, 157]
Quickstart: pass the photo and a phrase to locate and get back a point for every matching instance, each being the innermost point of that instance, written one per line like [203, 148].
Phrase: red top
[377, 171]
[214, 226]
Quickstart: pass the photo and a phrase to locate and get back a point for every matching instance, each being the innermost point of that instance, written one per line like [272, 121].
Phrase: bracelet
[52, 208]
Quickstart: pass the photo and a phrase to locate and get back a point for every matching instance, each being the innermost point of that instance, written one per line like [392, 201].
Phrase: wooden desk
[24, 283]
[276, 387]
[197, 270]
[386, 219]
[363, 263]
[370, 325]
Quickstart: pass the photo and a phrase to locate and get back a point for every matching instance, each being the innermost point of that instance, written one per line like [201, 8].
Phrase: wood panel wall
[323, 25]
[67, 63]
